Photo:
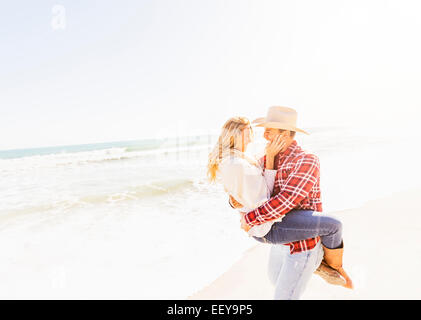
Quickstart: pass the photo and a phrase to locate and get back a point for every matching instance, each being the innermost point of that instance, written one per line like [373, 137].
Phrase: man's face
[271, 133]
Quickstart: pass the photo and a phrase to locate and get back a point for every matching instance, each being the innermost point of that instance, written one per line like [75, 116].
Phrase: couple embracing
[278, 197]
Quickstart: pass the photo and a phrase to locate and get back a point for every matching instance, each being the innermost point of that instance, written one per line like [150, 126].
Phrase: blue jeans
[304, 224]
[290, 273]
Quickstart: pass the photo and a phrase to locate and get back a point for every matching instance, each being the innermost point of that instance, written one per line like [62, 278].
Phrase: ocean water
[139, 220]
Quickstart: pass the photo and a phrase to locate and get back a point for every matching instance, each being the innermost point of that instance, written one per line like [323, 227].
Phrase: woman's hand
[272, 149]
[275, 146]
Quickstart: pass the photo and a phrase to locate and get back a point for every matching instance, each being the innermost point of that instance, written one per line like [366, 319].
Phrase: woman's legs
[304, 224]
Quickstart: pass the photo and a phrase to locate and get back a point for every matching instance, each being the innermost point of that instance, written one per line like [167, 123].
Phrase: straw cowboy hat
[279, 118]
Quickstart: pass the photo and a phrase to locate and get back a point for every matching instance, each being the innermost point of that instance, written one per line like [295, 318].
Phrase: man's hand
[244, 225]
[235, 203]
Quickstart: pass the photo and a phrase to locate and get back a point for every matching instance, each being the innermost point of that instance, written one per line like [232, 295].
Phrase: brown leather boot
[329, 275]
[333, 258]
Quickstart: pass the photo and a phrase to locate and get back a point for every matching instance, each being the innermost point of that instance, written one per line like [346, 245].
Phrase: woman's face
[247, 137]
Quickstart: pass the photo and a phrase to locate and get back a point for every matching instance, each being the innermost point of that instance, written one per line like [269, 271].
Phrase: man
[297, 186]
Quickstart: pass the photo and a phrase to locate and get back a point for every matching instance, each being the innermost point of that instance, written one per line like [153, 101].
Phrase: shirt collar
[290, 149]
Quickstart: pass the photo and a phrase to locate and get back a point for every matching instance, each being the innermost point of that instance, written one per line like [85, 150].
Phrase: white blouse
[250, 186]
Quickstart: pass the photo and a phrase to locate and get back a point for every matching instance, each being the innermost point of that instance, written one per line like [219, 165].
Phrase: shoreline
[380, 255]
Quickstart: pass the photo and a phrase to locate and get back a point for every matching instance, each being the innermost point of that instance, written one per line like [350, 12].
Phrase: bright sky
[95, 71]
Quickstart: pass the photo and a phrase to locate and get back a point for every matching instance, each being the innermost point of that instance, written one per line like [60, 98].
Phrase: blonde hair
[230, 141]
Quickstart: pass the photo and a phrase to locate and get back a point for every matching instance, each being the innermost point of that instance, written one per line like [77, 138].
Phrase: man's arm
[299, 183]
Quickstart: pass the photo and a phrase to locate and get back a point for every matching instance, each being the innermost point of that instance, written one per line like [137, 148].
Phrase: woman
[245, 180]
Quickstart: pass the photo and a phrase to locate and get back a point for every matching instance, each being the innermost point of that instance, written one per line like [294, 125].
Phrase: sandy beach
[381, 255]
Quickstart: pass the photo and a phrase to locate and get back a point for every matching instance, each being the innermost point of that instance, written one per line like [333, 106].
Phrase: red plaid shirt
[297, 186]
